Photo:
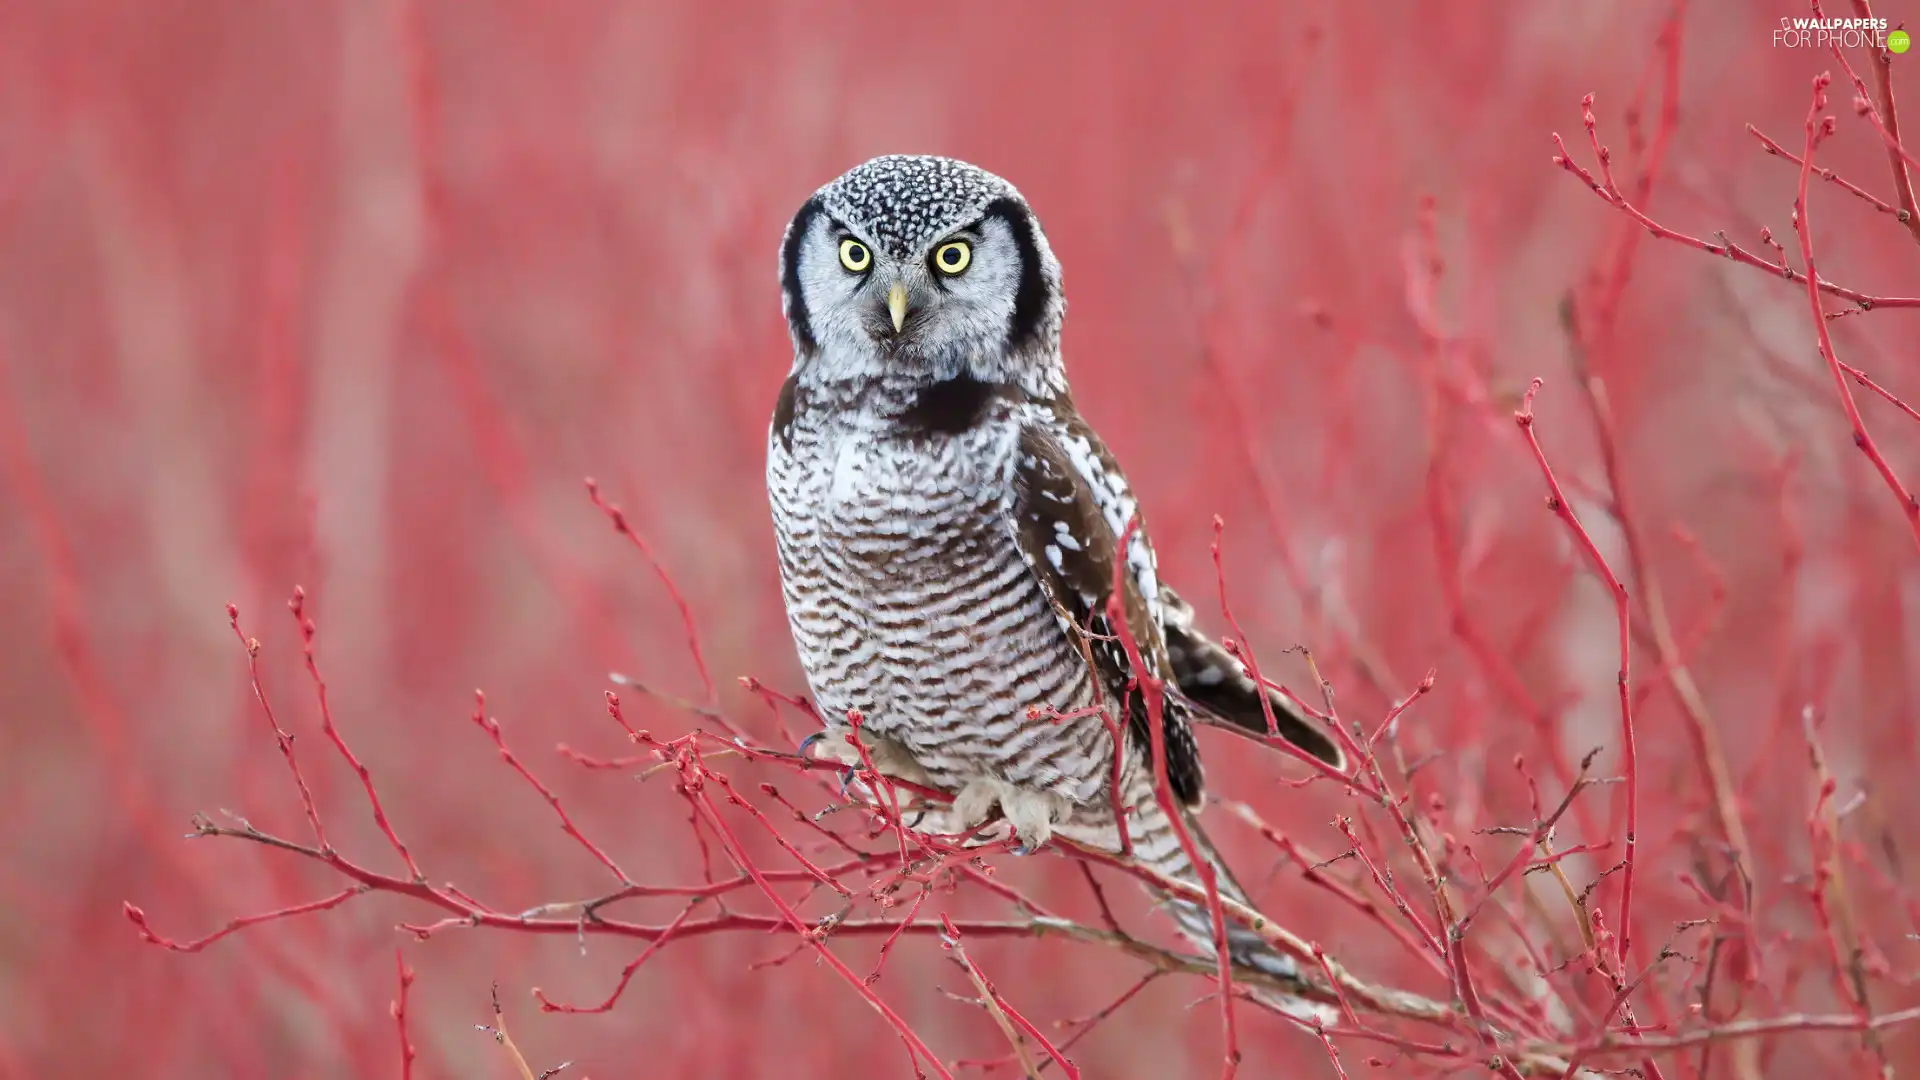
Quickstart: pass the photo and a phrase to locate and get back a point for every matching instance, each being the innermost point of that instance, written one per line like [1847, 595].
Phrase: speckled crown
[904, 201]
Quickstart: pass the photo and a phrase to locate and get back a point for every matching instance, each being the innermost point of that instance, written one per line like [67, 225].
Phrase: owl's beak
[897, 305]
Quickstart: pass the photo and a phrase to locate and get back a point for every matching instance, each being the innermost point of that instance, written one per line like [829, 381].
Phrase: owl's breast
[910, 601]
[897, 560]
[863, 500]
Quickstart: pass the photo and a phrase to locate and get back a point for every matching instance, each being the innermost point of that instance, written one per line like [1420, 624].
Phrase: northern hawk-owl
[947, 526]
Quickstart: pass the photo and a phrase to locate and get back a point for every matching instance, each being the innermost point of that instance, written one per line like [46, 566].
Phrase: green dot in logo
[1898, 41]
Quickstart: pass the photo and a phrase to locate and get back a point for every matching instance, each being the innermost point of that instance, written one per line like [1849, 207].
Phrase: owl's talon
[807, 744]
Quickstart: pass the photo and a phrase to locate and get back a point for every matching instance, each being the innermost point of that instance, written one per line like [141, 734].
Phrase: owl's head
[922, 267]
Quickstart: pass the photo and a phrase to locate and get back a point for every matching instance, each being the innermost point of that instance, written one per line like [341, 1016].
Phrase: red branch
[298, 606]
[280, 737]
[1611, 195]
[492, 727]
[1153, 697]
[1508, 1032]
[618, 519]
[139, 920]
[1557, 502]
[696, 791]
[1803, 228]
[400, 1015]
[1885, 122]
[997, 1005]
[626, 973]
[1861, 378]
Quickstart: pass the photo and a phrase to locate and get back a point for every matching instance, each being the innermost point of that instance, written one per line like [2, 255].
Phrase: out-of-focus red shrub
[353, 296]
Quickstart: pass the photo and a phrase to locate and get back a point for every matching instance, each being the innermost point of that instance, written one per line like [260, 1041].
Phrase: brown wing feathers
[1070, 547]
[1224, 695]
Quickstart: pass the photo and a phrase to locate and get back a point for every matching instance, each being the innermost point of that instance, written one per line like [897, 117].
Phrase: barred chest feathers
[906, 591]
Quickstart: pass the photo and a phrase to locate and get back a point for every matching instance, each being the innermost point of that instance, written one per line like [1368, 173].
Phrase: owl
[950, 532]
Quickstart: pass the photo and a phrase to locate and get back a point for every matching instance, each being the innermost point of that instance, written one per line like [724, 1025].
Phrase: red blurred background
[353, 296]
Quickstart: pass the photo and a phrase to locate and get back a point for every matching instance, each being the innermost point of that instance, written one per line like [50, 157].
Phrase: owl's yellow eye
[954, 257]
[855, 256]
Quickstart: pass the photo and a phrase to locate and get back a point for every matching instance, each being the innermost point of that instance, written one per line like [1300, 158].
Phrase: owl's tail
[1156, 846]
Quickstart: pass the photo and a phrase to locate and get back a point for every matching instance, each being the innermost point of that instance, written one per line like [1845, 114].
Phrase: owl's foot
[890, 758]
[1024, 814]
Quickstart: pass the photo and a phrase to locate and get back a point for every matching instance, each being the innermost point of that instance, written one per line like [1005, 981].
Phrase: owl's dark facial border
[797, 315]
[1030, 298]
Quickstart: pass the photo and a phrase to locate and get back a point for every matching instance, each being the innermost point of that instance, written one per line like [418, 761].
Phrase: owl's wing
[1069, 545]
[1203, 672]
[1223, 693]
